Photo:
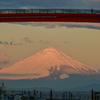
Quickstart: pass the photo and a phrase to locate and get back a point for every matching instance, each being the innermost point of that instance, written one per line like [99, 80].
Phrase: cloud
[6, 43]
[66, 42]
[27, 39]
[95, 0]
[62, 76]
[16, 75]
[69, 25]
[3, 62]
[49, 4]
[4, 57]
[46, 42]
[81, 25]
[41, 40]
[10, 44]
[1, 42]
[66, 24]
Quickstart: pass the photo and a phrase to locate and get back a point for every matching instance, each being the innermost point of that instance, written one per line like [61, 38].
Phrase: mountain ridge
[48, 61]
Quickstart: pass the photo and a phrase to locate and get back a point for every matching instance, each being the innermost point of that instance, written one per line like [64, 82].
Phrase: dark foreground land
[49, 95]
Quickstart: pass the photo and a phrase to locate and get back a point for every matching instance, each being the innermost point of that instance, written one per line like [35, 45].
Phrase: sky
[81, 41]
[50, 4]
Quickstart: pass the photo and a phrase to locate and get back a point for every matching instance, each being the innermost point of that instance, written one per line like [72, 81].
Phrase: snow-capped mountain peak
[44, 63]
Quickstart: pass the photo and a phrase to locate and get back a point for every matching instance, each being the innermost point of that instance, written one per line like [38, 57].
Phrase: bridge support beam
[50, 17]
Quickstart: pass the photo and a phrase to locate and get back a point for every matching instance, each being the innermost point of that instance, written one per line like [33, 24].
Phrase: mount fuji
[48, 62]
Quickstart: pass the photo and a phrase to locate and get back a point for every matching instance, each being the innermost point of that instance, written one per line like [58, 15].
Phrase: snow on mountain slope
[43, 63]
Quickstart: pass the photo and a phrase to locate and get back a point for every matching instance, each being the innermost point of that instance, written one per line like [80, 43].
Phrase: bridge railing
[15, 11]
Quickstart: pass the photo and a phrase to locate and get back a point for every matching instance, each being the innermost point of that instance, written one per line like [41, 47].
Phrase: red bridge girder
[49, 17]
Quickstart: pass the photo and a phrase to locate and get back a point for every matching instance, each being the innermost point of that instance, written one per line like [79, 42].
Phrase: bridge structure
[49, 15]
